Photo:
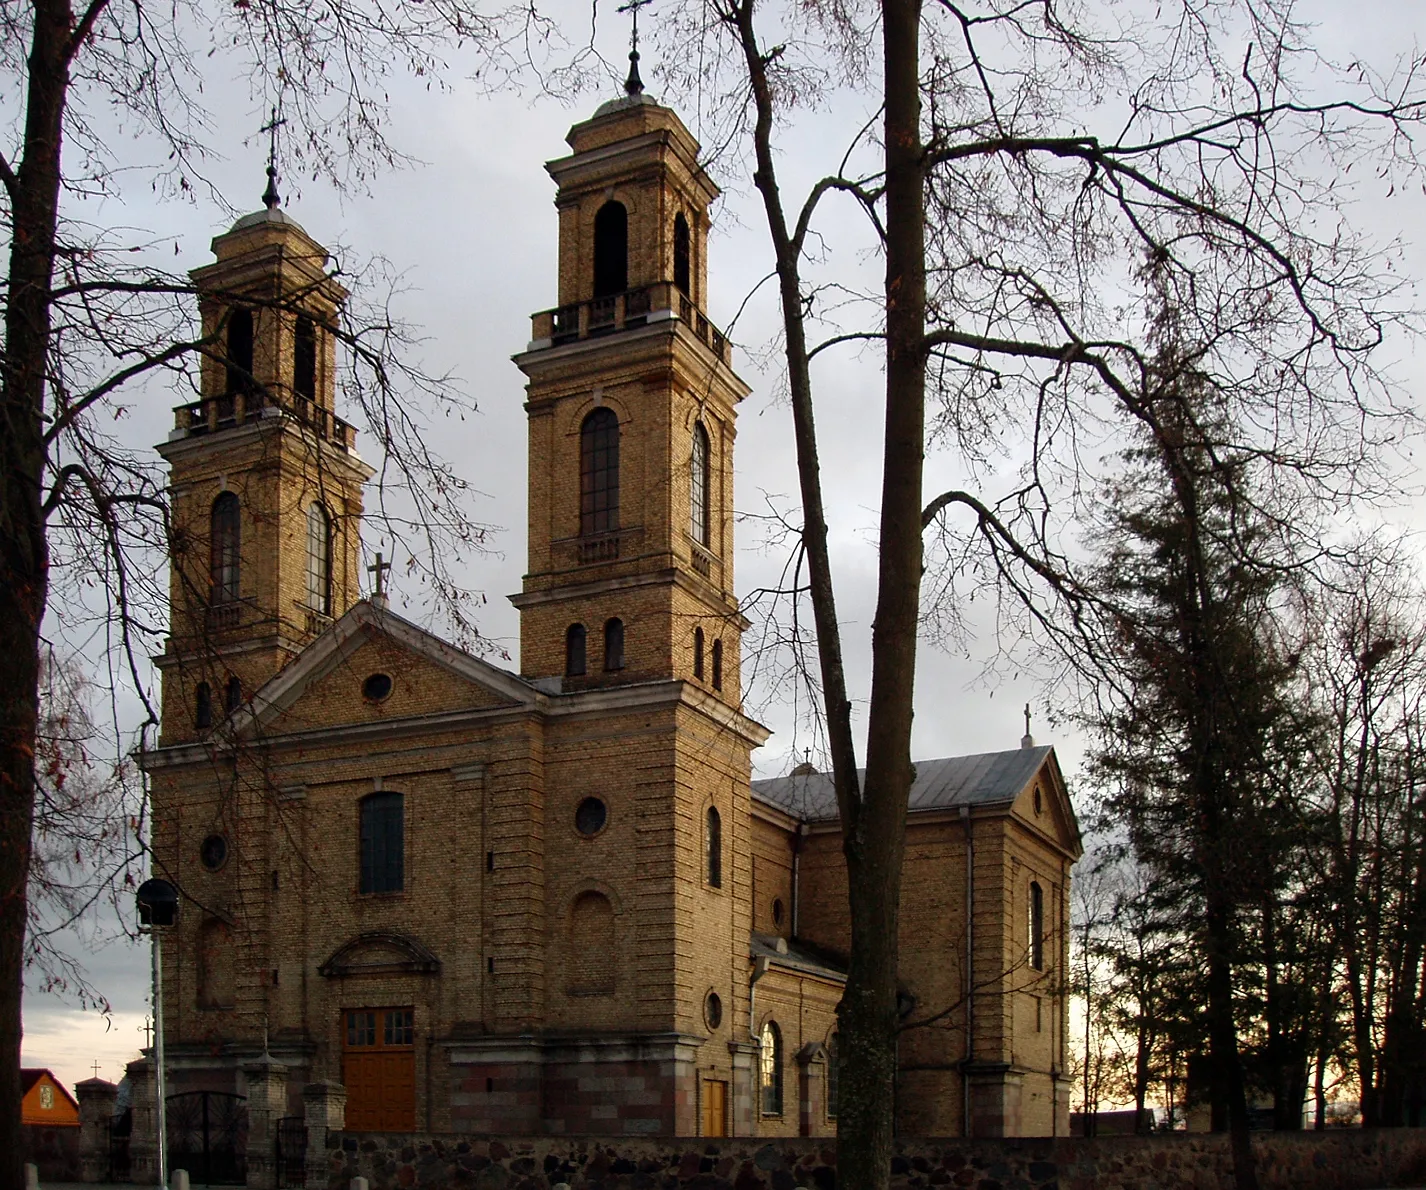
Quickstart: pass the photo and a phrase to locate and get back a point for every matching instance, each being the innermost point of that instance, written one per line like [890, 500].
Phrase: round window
[213, 851]
[713, 1010]
[376, 687]
[591, 816]
[1039, 804]
[777, 911]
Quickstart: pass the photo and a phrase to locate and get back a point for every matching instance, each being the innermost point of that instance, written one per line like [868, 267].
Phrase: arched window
[304, 359]
[611, 249]
[240, 351]
[698, 653]
[614, 644]
[599, 472]
[217, 965]
[698, 519]
[233, 695]
[832, 1077]
[715, 848]
[575, 661]
[717, 665]
[203, 706]
[1037, 927]
[770, 1069]
[383, 843]
[319, 560]
[591, 945]
[225, 542]
[681, 269]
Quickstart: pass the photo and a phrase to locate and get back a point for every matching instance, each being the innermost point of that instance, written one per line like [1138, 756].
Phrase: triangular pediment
[373, 666]
[1054, 817]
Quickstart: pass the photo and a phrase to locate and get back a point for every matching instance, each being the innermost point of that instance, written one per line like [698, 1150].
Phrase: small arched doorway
[611, 250]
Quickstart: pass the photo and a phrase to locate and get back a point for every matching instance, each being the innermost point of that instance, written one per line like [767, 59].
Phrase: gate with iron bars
[208, 1136]
[291, 1143]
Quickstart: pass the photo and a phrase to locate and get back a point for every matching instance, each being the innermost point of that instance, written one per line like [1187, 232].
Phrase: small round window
[376, 687]
[777, 911]
[213, 851]
[1039, 803]
[591, 816]
[713, 1010]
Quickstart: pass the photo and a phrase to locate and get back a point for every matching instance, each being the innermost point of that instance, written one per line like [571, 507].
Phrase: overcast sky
[473, 233]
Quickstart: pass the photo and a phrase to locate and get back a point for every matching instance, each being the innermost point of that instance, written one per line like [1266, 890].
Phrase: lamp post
[158, 911]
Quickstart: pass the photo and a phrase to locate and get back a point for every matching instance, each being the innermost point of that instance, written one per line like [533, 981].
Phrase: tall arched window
[233, 695]
[319, 560]
[681, 268]
[240, 351]
[698, 519]
[832, 1077]
[611, 249]
[614, 644]
[203, 706]
[599, 472]
[383, 843]
[304, 359]
[217, 965]
[770, 1069]
[717, 665]
[715, 848]
[575, 660]
[698, 653]
[225, 542]
[1037, 927]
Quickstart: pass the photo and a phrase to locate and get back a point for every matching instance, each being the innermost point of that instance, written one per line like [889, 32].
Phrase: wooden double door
[379, 1069]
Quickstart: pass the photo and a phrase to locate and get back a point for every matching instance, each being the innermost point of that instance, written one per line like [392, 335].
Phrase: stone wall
[1349, 1159]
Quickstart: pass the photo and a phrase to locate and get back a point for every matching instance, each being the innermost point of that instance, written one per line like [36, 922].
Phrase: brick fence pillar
[96, 1112]
[324, 1109]
[143, 1138]
[267, 1103]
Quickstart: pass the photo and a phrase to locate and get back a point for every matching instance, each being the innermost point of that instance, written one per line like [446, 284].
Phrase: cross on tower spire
[270, 196]
[634, 85]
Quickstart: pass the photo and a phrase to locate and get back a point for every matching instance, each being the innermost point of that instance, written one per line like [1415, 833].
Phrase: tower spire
[634, 85]
[270, 197]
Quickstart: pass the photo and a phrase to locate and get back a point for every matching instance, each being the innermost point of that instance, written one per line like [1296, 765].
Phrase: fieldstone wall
[1348, 1159]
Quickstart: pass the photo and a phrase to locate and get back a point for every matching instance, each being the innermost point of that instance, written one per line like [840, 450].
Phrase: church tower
[265, 480]
[631, 402]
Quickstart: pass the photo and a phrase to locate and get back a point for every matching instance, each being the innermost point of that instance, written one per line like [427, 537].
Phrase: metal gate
[118, 1129]
[208, 1136]
[291, 1143]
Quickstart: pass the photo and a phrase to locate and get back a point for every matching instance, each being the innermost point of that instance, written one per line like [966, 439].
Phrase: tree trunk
[24, 558]
[1223, 1042]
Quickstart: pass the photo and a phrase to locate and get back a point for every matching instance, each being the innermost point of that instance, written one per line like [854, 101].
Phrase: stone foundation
[1348, 1159]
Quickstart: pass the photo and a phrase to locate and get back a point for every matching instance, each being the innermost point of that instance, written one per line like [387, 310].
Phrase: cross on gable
[378, 569]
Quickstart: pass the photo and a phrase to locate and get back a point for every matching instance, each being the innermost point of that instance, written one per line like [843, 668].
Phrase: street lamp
[158, 911]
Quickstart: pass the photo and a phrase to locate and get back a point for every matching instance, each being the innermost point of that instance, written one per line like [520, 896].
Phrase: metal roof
[986, 778]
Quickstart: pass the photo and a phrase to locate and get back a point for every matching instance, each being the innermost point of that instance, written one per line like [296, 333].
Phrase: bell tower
[265, 481]
[632, 402]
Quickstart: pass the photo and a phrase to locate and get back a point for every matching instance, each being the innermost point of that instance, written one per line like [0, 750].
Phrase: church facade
[551, 901]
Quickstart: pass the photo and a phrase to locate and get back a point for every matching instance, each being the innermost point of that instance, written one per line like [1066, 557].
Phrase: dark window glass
[590, 816]
[614, 644]
[575, 661]
[681, 268]
[399, 1026]
[713, 1010]
[304, 359]
[376, 687]
[832, 1077]
[203, 706]
[599, 472]
[240, 351]
[361, 1028]
[1037, 927]
[383, 843]
[611, 249]
[715, 848]
[319, 560]
[717, 665]
[698, 653]
[770, 1069]
[213, 851]
[225, 548]
[777, 911]
[698, 487]
[233, 696]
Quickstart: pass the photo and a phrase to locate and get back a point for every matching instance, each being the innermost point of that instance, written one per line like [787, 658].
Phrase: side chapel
[550, 901]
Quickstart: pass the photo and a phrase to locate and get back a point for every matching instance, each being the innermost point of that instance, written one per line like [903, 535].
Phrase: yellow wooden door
[379, 1070]
[715, 1108]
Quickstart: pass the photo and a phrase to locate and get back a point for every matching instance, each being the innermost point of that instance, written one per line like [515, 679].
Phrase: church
[550, 901]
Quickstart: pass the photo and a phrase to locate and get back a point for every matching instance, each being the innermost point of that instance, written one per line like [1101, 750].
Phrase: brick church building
[550, 901]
